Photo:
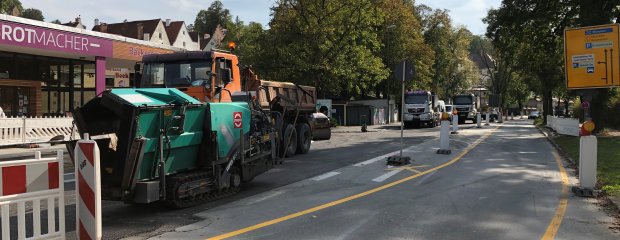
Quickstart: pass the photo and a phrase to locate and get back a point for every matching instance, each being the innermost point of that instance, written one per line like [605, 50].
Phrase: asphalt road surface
[499, 182]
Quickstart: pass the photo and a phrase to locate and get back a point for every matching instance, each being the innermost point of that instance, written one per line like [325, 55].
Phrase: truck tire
[291, 149]
[305, 138]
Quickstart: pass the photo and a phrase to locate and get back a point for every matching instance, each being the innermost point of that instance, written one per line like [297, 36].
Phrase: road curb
[611, 199]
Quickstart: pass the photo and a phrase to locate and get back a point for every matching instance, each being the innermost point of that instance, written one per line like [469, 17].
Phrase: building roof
[77, 23]
[129, 29]
[194, 36]
[173, 30]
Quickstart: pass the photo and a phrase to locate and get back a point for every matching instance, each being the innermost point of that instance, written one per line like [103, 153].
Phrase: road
[499, 182]
[502, 182]
[345, 148]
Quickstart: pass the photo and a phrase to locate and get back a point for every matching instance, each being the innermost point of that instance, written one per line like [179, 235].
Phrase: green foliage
[207, 20]
[7, 5]
[33, 13]
[452, 69]
[608, 166]
[331, 44]
[349, 47]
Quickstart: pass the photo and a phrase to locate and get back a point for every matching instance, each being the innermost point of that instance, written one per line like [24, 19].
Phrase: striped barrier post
[29, 183]
[88, 188]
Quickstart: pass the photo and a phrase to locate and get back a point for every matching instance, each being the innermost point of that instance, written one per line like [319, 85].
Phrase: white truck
[466, 106]
[420, 108]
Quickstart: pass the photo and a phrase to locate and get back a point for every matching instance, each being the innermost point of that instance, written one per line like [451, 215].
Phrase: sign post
[591, 57]
[404, 72]
[591, 61]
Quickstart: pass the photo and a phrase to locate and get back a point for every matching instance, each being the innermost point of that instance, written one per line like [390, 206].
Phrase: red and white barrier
[88, 189]
[28, 182]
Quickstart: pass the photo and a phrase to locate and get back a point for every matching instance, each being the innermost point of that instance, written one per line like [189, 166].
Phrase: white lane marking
[325, 176]
[386, 175]
[268, 196]
[372, 160]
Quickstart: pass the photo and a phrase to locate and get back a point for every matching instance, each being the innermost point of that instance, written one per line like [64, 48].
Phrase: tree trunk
[547, 105]
[600, 97]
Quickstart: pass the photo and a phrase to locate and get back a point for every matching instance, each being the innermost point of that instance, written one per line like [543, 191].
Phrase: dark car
[322, 127]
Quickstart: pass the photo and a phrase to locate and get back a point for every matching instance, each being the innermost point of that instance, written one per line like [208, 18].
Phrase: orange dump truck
[214, 76]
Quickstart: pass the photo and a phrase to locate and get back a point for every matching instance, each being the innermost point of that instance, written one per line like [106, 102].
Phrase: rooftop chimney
[168, 22]
[141, 33]
[96, 21]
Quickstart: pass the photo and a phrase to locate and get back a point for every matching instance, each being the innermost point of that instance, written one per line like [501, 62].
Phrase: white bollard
[455, 124]
[478, 120]
[88, 190]
[488, 119]
[587, 161]
[512, 116]
[444, 138]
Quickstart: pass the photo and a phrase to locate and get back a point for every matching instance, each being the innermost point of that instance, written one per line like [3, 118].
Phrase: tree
[452, 70]
[33, 13]
[6, 6]
[401, 36]
[332, 45]
[532, 31]
[207, 20]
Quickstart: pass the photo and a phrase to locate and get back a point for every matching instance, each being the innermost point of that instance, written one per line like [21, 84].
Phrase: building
[148, 30]
[49, 69]
[213, 41]
[180, 37]
[76, 24]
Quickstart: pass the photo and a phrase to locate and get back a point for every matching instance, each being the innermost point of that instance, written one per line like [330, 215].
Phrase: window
[183, 32]
[222, 63]
[160, 35]
[183, 44]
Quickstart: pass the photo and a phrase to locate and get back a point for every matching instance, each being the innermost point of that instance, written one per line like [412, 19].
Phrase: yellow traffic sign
[591, 57]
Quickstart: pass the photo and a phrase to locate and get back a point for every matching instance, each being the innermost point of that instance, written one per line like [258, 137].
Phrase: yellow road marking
[353, 197]
[411, 168]
[553, 227]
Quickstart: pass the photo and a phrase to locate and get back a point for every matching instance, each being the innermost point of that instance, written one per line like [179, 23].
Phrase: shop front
[49, 70]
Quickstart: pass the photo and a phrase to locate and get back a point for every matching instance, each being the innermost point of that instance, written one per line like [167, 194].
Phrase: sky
[464, 12]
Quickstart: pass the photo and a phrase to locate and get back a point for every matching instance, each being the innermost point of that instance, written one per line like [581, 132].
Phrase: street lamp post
[389, 109]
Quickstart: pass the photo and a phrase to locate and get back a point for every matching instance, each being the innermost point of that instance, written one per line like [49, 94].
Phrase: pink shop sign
[23, 35]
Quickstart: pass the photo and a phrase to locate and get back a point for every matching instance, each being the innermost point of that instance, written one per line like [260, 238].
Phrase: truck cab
[206, 76]
[420, 108]
[466, 107]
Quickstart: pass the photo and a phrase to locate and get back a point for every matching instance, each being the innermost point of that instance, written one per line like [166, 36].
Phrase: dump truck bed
[292, 96]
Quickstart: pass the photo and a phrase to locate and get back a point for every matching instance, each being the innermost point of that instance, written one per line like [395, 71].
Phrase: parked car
[322, 127]
[533, 115]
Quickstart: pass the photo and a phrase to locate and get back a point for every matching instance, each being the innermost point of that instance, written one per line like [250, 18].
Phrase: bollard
[512, 116]
[488, 119]
[444, 138]
[478, 120]
[587, 161]
[500, 118]
[88, 189]
[455, 124]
